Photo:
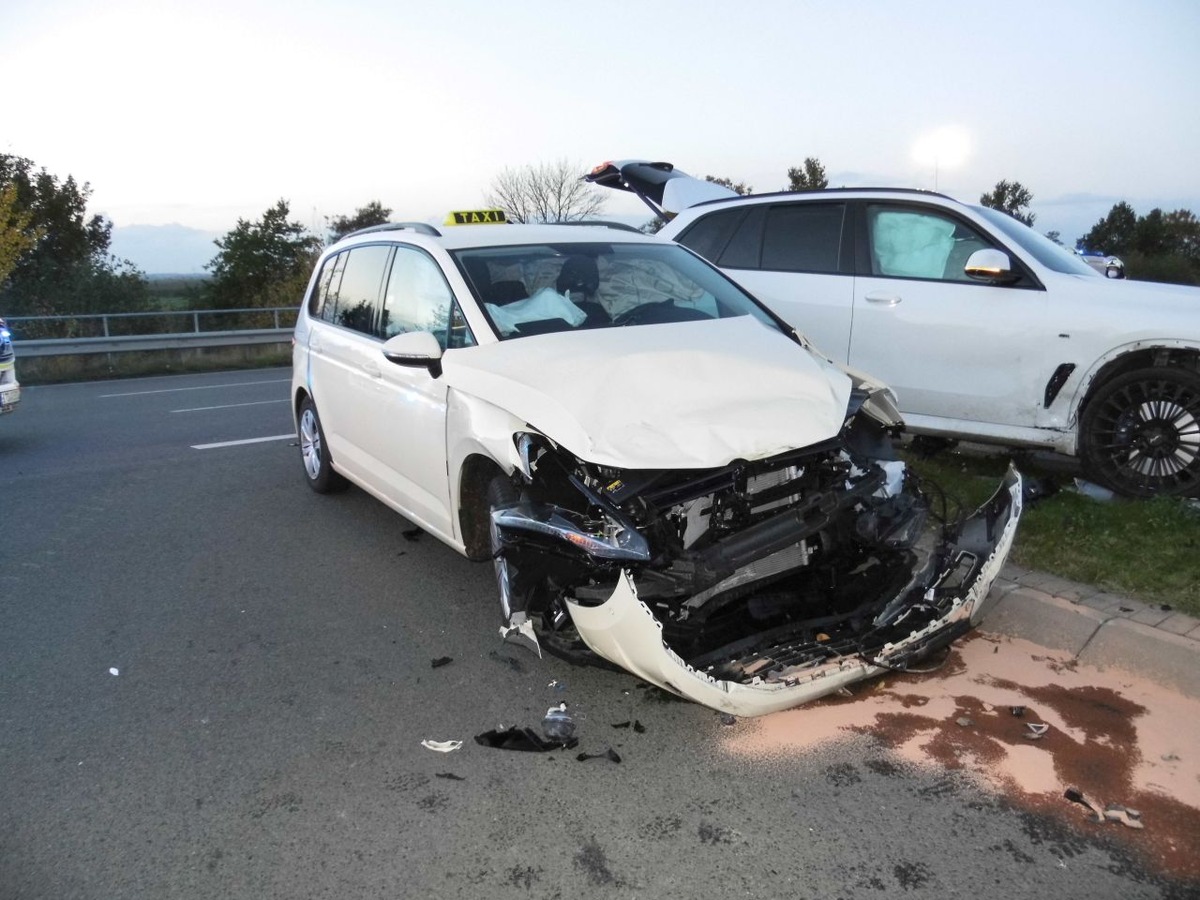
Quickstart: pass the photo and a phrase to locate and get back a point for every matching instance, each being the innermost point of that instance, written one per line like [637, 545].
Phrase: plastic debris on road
[114, 671]
[609, 754]
[441, 746]
[557, 724]
[441, 661]
[524, 740]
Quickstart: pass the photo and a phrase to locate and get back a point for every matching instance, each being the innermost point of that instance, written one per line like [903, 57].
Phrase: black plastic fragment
[522, 739]
[441, 661]
[610, 753]
[411, 534]
[449, 776]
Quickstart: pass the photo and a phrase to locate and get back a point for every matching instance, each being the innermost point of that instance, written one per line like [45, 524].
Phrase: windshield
[542, 288]
[1053, 256]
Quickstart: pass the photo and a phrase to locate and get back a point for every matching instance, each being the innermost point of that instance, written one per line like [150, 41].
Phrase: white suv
[985, 329]
[658, 467]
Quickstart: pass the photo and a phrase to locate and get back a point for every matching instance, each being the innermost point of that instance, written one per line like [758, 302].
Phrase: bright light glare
[945, 147]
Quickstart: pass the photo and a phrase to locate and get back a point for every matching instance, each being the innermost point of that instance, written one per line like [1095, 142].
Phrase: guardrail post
[195, 323]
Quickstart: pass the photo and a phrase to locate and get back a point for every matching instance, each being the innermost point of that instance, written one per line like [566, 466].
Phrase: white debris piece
[114, 671]
[441, 746]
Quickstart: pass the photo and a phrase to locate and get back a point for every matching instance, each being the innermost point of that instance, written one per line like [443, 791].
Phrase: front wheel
[318, 470]
[1140, 433]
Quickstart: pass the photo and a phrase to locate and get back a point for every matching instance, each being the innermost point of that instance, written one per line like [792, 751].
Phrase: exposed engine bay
[750, 587]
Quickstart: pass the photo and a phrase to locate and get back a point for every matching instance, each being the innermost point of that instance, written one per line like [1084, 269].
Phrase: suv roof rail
[601, 223]
[835, 190]
[418, 227]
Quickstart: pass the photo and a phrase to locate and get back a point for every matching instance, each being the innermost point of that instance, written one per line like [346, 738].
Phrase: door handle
[883, 298]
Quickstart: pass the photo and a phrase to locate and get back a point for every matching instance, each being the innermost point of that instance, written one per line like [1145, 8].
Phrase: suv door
[951, 347]
[794, 257]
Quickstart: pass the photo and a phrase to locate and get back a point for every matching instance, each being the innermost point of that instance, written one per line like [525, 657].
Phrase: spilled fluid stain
[1115, 737]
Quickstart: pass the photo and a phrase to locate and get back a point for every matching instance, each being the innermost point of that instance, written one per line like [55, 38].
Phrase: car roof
[825, 192]
[462, 237]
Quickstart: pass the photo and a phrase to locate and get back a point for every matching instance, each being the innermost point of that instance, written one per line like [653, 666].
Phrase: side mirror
[991, 266]
[416, 349]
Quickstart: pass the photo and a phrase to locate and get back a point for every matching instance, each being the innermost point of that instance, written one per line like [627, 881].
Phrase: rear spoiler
[662, 187]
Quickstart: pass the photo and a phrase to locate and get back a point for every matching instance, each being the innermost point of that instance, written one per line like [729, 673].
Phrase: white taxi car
[10, 388]
[662, 472]
[985, 329]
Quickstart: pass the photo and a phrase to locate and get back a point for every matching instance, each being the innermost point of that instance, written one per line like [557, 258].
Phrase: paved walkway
[1098, 628]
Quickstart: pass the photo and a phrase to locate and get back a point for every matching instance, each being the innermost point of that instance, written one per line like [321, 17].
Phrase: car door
[406, 433]
[344, 355]
[795, 257]
[952, 348]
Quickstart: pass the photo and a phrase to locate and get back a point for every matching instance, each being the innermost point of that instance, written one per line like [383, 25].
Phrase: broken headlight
[600, 538]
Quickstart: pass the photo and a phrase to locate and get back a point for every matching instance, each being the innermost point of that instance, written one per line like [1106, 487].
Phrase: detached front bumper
[624, 631]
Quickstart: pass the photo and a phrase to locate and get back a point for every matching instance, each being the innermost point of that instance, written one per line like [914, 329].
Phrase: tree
[16, 235]
[1115, 232]
[545, 192]
[1055, 236]
[1011, 197]
[809, 178]
[263, 263]
[738, 187]
[64, 266]
[373, 213]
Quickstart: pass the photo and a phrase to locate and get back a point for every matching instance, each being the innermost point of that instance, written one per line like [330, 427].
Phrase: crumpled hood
[671, 396]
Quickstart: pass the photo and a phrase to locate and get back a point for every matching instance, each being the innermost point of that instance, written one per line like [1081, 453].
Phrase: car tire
[1140, 433]
[314, 451]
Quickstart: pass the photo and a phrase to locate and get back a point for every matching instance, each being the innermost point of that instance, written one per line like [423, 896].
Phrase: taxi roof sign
[477, 217]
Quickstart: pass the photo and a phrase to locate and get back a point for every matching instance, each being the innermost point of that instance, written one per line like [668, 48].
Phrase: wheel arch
[476, 473]
[1142, 355]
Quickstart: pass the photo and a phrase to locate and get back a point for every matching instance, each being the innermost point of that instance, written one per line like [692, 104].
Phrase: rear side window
[323, 301]
[803, 237]
[710, 234]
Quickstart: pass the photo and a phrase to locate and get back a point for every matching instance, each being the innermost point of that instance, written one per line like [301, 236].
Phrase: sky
[195, 114]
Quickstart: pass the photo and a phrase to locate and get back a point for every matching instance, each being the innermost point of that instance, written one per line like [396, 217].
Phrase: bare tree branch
[545, 192]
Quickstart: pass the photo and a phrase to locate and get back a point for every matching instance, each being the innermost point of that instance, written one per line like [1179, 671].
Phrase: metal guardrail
[104, 340]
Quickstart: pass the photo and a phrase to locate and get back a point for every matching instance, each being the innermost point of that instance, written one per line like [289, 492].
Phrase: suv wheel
[318, 469]
[1140, 433]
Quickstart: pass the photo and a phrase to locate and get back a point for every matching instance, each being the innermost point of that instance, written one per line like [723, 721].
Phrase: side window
[419, 299]
[323, 301]
[803, 237]
[359, 291]
[745, 247]
[709, 235]
[920, 243]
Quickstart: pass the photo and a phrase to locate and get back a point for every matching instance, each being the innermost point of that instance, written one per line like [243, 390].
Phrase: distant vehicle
[661, 471]
[1108, 266]
[985, 329]
[10, 388]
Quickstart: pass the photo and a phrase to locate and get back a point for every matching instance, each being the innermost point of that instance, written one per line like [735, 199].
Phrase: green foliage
[67, 269]
[16, 234]
[263, 263]
[1011, 197]
[1155, 247]
[810, 177]
[374, 213]
[738, 187]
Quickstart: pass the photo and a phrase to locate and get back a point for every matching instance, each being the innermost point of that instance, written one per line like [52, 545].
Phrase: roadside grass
[1148, 550]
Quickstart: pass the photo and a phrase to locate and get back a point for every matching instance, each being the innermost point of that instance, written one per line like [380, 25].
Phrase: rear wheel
[1140, 433]
[318, 469]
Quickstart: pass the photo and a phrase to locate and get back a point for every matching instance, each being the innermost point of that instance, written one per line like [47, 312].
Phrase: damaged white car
[663, 473]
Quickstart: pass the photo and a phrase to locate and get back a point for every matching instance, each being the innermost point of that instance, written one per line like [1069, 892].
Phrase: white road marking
[229, 406]
[202, 387]
[261, 440]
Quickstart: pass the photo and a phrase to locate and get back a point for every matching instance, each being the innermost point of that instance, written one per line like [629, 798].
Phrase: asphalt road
[263, 736]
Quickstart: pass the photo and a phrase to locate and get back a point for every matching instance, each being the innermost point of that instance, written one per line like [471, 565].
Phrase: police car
[10, 388]
[663, 474]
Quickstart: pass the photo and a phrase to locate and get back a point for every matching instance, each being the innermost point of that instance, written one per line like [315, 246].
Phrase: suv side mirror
[991, 266]
[417, 349]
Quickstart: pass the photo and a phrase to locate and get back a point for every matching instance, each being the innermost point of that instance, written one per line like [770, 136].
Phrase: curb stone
[1098, 628]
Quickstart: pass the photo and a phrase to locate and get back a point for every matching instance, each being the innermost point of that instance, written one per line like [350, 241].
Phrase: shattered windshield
[543, 288]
